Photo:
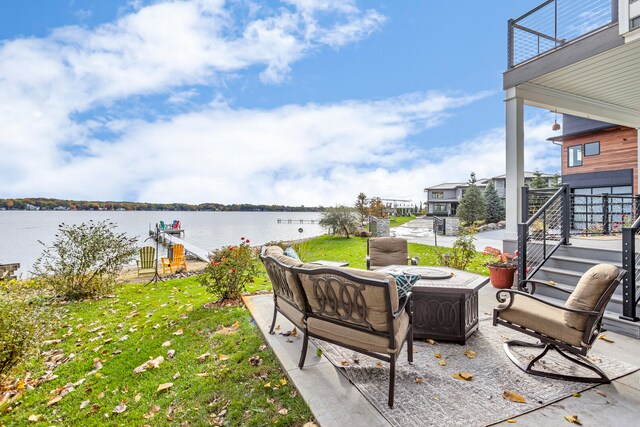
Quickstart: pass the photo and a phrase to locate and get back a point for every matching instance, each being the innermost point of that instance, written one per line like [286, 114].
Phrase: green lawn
[400, 220]
[224, 388]
[123, 332]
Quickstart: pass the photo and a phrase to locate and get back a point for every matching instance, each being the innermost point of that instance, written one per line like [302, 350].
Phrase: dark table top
[458, 281]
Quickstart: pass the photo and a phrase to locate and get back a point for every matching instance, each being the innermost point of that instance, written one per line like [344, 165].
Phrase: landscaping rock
[362, 232]
[502, 224]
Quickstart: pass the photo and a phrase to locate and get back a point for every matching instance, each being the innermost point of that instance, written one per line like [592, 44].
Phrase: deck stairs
[565, 267]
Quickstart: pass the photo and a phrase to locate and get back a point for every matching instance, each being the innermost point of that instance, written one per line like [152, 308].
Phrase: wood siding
[618, 150]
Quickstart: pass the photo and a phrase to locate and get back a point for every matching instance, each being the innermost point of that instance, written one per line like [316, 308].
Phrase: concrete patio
[334, 401]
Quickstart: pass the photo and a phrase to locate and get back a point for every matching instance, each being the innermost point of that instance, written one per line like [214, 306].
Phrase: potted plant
[502, 270]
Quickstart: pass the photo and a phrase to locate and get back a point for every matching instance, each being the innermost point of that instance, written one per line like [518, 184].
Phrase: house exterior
[402, 207]
[598, 157]
[585, 71]
[443, 199]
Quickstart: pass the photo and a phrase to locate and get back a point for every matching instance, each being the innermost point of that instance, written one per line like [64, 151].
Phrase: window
[635, 23]
[592, 149]
[575, 156]
[437, 195]
[440, 207]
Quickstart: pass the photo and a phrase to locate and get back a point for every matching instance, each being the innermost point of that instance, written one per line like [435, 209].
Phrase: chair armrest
[413, 260]
[402, 306]
[368, 259]
[539, 282]
[502, 294]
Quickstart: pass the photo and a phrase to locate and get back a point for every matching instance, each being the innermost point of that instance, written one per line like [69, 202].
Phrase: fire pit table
[445, 302]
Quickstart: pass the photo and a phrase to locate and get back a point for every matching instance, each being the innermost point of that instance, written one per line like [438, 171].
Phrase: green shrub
[461, 254]
[22, 322]
[84, 260]
[230, 270]
[340, 220]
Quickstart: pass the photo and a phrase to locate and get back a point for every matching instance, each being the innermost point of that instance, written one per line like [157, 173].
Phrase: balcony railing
[555, 23]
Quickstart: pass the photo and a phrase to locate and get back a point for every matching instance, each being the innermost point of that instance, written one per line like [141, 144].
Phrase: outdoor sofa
[356, 309]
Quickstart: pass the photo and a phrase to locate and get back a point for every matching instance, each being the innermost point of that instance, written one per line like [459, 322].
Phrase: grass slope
[211, 392]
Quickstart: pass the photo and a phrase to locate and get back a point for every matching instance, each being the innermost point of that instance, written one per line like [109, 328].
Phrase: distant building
[402, 207]
[443, 199]
[29, 207]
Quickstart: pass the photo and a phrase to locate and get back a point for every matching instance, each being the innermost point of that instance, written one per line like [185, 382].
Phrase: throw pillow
[404, 283]
[291, 253]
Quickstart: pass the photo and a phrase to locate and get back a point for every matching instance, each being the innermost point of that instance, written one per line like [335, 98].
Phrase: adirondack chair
[176, 261]
[162, 225]
[147, 261]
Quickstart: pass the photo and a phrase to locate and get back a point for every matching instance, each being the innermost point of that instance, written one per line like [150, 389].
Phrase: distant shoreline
[45, 204]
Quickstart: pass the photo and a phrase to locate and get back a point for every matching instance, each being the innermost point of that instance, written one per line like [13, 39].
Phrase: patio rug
[427, 394]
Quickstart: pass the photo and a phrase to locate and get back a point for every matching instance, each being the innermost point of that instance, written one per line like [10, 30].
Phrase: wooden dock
[167, 239]
[7, 270]
[297, 221]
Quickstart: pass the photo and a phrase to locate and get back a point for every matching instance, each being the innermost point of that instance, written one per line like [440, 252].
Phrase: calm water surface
[20, 231]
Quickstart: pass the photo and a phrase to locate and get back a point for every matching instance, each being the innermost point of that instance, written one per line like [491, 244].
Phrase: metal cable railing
[541, 234]
[631, 263]
[553, 24]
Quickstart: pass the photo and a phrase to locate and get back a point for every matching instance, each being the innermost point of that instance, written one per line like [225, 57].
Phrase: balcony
[554, 24]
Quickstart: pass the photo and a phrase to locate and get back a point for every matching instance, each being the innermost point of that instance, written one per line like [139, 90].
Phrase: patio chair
[287, 295]
[147, 261]
[177, 260]
[570, 329]
[358, 310]
[385, 251]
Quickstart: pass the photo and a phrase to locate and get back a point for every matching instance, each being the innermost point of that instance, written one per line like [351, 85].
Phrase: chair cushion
[404, 283]
[375, 298]
[541, 318]
[277, 253]
[385, 251]
[360, 339]
[588, 291]
[296, 316]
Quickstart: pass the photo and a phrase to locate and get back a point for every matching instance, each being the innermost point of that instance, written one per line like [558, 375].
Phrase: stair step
[589, 261]
[561, 271]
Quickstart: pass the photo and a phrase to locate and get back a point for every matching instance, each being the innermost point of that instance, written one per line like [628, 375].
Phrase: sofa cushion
[373, 297]
[541, 318]
[277, 253]
[360, 339]
[292, 313]
[291, 253]
[384, 251]
[588, 291]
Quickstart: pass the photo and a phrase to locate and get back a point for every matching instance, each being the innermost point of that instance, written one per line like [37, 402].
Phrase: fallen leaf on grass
[202, 374]
[512, 396]
[84, 404]
[283, 381]
[170, 354]
[464, 376]
[154, 409]
[203, 357]
[54, 400]
[573, 419]
[604, 338]
[223, 357]
[267, 385]
[164, 386]
[176, 375]
[470, 354]
[150, 364]
[228, 330]
[34, 418]
[137, 397]
[94, 409]
[283, 411]
[255, 360]
[178, 332]
[119, 409]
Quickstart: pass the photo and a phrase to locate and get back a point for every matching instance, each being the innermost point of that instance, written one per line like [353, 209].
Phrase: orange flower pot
[501, 278]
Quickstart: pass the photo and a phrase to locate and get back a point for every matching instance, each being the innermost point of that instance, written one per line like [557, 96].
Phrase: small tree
[538, 181]
[362, 208]
[555, 180]
[472, 206]
[84, 260]
[376, 207]
[495, 208]
[339, 220]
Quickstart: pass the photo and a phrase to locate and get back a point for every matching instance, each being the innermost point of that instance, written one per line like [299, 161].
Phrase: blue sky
[297, 102]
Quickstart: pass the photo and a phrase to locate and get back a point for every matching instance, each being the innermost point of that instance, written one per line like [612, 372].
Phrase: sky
[297, 102]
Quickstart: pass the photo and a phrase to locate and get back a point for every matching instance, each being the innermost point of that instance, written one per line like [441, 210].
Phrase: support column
[637, 189]
[515, 162]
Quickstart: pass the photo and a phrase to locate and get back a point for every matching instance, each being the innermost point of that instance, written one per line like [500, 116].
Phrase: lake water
[20, 231]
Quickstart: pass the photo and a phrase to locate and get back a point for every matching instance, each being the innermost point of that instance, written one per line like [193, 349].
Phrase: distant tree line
[83, 205]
